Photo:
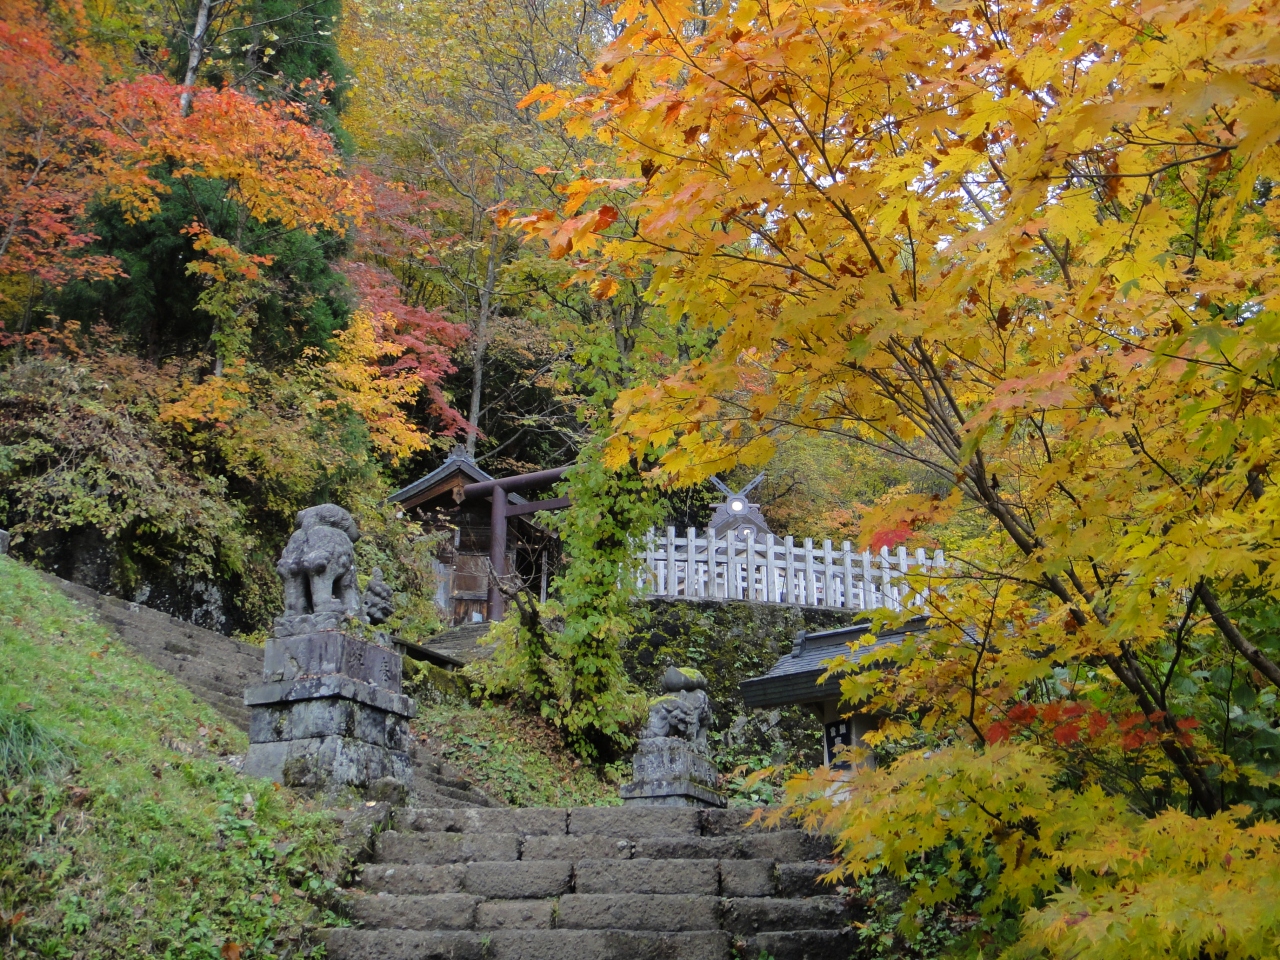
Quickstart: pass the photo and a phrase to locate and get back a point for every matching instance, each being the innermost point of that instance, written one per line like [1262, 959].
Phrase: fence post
[671, 561]
[770, 570]
[847, 553]
[828, 576]
[713, 552]
[886, 579]
[808, 572]
[693, 583]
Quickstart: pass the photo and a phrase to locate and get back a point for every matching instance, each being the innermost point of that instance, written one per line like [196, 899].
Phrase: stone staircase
[437, 784]
[598, 883]
[215, 668]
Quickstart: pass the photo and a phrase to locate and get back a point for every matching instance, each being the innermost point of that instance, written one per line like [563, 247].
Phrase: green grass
[516, 757]
[123, 833]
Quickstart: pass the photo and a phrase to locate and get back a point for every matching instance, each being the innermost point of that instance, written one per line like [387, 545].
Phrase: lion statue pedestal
[671, 767]
[330, 713]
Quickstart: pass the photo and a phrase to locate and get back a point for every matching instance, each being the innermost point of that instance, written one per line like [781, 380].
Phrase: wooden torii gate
[501, 510]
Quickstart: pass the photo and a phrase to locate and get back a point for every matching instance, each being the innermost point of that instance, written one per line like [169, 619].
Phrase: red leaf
[1067, 733]
[891, 537]
[998, 732]
[1023, 713]
[606, 216]
[1098, 722]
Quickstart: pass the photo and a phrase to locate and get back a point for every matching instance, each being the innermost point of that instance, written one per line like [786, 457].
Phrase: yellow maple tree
[1034, 246]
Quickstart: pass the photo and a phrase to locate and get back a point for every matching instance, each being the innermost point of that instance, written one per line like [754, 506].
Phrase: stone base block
[330, 714]
[329, 717]
[669, 772]
[325, 764]
[326, 653]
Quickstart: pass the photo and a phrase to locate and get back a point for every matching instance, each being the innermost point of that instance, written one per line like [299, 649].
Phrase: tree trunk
[481, 337]
[195, 54]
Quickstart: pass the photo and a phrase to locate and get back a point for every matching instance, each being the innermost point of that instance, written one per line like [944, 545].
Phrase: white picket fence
[738, 566]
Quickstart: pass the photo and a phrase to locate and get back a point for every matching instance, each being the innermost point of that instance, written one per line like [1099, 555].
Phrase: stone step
[676, 913]
[349, 944]
[427, 784]
[747, 916]
[423, 791]
[533, 879]
[428, 846]
[440, 848]
[526, 821]
[630, 823]
[700, 877]
[575, 848]
[500, 880]
[660, 912]
[443, 780]
[436, 911]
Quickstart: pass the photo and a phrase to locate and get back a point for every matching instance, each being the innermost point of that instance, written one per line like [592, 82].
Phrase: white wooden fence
[738, 566]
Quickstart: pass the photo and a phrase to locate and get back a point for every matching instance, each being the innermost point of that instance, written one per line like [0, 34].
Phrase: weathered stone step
[534, 879]
[526, 945]
[700, 877]
[659, 912]
[437, 911]
[676, 913]
[526, 821]
[503, 880]
[632, 823]
[424, 791]
[425, 783]
[447, 846]
[441, 848]
[750, 915]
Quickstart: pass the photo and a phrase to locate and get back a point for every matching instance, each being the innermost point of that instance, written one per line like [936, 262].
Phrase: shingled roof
[794, 678]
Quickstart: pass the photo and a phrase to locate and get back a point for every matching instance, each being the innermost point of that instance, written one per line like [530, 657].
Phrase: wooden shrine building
[489, 526]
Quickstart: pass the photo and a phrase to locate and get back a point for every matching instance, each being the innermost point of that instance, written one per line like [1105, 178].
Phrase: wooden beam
[523, 481]
[534, 506]
[497, 551]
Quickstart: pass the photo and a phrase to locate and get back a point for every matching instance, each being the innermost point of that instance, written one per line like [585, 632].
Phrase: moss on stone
[430, 684]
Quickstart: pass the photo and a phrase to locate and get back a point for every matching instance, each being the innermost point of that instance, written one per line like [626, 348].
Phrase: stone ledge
[318, 688]
[673, 793]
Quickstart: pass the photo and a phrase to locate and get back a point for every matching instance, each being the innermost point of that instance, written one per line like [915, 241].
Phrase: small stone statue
[683, 710]
[379, 602]
[671, 766]
[318, 568]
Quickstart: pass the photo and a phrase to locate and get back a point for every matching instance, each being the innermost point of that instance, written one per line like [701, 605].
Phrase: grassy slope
[513, 756]
[148, 845]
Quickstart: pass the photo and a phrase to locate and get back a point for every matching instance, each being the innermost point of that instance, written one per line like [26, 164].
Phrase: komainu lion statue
[379, 599]
[683, 711]
[318, 566]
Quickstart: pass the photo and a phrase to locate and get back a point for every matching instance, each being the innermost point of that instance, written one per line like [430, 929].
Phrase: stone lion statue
[379, 599]
[318, 566]
[682, 711]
